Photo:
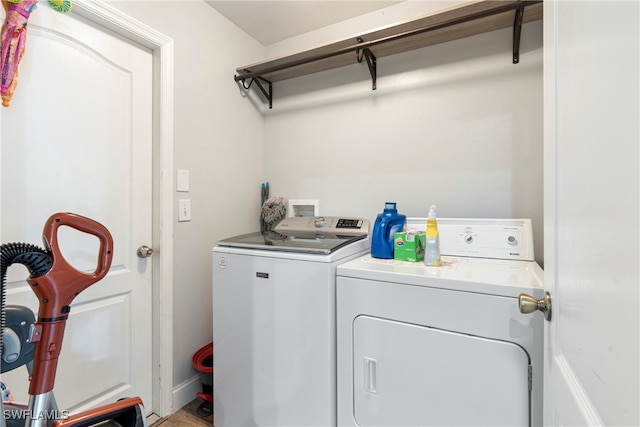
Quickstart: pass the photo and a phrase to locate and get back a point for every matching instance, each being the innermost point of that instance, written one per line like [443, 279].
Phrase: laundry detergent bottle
[387, 224]
[432, 245]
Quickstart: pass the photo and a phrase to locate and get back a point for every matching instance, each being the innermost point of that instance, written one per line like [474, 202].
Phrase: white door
[592, 213]
[77, 137]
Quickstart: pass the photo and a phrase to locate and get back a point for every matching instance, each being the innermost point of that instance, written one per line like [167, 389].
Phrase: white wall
[456, 125]
[218, 138]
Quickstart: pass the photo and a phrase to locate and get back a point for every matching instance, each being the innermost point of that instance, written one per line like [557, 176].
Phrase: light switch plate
[182, 180]
[184, 210]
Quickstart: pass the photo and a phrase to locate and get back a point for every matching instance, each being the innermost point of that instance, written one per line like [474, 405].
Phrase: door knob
[144, 251]
[528, 304]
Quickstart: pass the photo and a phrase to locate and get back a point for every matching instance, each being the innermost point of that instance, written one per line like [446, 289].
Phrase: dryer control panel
[482, 237]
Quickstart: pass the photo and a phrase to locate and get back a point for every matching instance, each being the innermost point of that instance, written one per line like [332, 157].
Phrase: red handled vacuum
[56, 283]
[202, 362]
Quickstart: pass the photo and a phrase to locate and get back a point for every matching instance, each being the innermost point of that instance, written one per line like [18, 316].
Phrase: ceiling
[272, 21]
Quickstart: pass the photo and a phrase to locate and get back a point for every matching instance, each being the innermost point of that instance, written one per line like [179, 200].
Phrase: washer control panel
[326, 224]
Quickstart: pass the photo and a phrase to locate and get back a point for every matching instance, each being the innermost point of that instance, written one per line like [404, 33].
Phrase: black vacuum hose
[37, 260]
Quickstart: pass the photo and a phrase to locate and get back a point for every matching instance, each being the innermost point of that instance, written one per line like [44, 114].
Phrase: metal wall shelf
[468, 19]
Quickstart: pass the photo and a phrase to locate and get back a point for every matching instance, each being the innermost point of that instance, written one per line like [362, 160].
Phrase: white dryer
[274, 321]
[443, 346]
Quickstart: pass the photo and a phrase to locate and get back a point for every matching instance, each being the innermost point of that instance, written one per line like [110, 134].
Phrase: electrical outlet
[184, 210]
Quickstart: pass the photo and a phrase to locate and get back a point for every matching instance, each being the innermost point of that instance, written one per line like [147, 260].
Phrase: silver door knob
[528, 304]
[144, 251]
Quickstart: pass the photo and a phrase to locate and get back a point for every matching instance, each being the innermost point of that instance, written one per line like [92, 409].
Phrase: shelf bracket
[371, 62]
[258, 81]
[517, 31]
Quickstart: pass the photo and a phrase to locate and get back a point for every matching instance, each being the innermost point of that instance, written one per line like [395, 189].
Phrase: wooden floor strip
[187, 416]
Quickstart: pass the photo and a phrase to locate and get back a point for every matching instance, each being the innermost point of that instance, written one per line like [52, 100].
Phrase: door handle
[528, 304]
[371, 375]
[144, 251]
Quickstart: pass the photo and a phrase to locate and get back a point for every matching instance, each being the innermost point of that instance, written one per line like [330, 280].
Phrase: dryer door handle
[370, 375]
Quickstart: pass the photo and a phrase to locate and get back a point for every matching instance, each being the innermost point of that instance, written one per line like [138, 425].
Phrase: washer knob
[468, 239]
[512, 240]
[320, 222]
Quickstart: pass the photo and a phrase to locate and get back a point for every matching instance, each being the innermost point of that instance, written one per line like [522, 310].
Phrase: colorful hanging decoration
[12, 39]
[62, 6]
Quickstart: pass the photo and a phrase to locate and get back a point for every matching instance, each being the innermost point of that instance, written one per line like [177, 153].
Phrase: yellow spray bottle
[432, 246]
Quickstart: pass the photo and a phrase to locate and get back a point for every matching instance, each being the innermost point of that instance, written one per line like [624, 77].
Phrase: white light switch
[182, 180]
[184, 210]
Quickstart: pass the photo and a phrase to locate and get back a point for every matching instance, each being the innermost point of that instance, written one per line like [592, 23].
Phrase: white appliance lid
[478, 275]
[314, 235]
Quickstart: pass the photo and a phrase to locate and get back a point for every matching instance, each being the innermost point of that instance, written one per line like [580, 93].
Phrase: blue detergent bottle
[387, 223]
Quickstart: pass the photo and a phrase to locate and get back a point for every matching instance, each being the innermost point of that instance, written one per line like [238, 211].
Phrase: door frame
[161, 46]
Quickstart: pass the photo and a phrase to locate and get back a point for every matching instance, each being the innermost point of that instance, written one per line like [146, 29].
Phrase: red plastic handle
[62, 283]
[86, 225]
[56, 290]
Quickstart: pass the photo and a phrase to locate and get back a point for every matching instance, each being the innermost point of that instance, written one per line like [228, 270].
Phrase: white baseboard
[186, 392]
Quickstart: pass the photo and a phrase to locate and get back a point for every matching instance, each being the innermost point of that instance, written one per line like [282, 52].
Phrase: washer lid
[315, 235]
[273, 241]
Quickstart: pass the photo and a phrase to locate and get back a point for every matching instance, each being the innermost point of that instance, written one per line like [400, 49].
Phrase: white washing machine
[274, 321]
[443, 346]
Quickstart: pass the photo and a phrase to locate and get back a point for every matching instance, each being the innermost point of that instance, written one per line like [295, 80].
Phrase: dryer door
[408, 375]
